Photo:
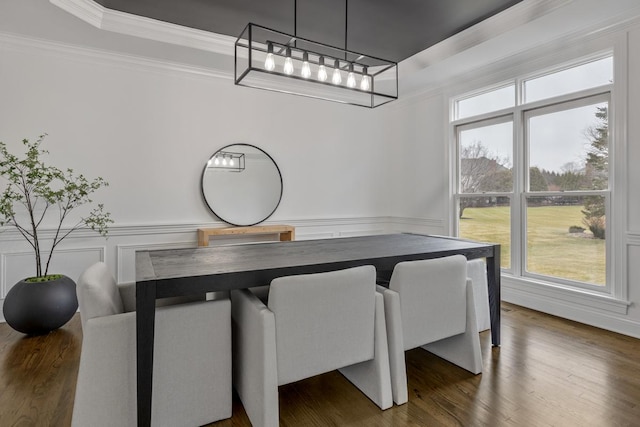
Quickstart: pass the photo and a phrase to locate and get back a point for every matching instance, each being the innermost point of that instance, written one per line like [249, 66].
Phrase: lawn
[551, 249]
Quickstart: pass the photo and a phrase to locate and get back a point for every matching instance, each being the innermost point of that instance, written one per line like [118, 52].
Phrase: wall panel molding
[125, 257]
[118, 250]
[17, 265]
[633, 238]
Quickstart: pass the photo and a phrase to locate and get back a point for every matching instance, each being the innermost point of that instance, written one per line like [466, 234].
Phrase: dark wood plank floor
[548, 372]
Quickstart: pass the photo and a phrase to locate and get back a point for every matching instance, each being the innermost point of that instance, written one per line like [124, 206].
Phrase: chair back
[97, 293]
[323, 321]
[433, 298]
[477, 272]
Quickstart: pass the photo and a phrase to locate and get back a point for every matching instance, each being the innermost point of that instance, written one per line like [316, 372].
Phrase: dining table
[193, 271]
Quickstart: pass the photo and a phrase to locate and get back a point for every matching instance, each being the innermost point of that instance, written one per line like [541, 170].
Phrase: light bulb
[365, 83]
[270, 63]
[351, 78]
[231, 161]
[337, 78]
[288, 63]
[216, 161]
[306, 70]
[322, 71]
[224, 161]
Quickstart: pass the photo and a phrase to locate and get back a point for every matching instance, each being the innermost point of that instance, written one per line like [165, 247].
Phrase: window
[573, 79]
[486, 180]
[534, 176]
[491, 100]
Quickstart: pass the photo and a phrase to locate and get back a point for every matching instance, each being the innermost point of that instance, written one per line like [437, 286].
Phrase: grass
[551, 249]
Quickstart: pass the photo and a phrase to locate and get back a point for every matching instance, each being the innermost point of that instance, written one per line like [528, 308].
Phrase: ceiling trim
[139, 26]
[89, 11]
[517, 15]
[21, 43]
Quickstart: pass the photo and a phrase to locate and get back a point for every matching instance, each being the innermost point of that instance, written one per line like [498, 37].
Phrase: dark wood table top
[261, 262]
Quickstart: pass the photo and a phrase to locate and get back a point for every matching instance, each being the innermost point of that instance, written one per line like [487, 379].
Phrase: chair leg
[463, 349]
[255, 367]
[397, 365]
[372, 377]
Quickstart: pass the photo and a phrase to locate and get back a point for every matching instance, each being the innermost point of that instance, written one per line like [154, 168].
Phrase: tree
[33, 187]
[482, 172]
[537, 182]
[597, 169]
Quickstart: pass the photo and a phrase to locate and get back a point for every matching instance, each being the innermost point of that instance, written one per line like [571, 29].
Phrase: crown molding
[87, 10]
[505, 67]
[22, 43]
[509, 19]
[152, 29]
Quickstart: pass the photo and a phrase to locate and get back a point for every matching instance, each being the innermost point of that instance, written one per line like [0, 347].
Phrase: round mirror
[241, 184]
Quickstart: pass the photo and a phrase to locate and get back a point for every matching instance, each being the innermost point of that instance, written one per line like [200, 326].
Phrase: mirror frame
[204, 197]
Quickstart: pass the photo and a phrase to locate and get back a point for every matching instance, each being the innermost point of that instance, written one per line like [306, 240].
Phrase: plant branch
[31, 182]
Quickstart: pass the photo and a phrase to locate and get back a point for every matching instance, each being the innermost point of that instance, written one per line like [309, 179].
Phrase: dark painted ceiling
[389, 29]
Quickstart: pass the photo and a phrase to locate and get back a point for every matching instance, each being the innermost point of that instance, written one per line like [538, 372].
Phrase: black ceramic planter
[39, 308]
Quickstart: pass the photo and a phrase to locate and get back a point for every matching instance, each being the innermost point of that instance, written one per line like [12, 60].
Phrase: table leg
[145, 325]
[493, 276]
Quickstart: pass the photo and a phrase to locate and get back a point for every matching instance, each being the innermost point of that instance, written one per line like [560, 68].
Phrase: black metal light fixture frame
[256, 42]
[222, 165]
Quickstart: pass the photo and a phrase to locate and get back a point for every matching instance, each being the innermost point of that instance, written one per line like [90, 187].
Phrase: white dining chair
[192, 358]
[430, 304]
[477, 272]
[311, 324]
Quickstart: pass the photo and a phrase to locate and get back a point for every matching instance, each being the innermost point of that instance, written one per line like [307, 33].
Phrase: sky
[556, 137]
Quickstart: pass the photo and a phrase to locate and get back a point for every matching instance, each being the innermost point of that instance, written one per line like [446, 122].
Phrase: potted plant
[44, 302]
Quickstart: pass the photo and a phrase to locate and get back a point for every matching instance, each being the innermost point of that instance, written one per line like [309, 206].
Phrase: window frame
[519, 114]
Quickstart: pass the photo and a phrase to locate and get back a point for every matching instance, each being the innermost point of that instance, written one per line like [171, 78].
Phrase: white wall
[149, 132]
[148, 119]
[422, 172]
[632, 228]
[149, 126]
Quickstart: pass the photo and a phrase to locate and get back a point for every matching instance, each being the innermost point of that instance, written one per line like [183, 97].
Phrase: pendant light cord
[346, 27]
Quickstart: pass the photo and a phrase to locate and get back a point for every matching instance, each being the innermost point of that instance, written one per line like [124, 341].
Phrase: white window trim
[615, 300]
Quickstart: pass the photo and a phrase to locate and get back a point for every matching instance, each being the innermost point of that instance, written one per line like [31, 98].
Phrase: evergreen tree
[597, 169]
[537, 181]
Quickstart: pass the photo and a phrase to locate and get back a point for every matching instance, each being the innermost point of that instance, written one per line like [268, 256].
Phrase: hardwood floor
[548, 372]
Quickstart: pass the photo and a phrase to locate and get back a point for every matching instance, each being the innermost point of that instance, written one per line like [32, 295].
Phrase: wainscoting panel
[71, 262]
[118, 251]
[126, 258]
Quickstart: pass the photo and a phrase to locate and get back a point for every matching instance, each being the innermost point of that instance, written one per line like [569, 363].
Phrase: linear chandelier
[273, 60]
[227, 161]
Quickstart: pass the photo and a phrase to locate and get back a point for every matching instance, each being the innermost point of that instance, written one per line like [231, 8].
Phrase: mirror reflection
[241, 184]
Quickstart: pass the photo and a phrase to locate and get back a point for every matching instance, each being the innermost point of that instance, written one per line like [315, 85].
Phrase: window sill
[558, 293]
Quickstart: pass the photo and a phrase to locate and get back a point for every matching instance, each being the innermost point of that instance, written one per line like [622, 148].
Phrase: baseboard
[567, 310]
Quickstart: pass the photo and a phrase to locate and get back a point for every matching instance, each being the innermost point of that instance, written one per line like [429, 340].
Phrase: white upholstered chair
[430, 304]
[192, 358]
[312, 324]
[477, 272]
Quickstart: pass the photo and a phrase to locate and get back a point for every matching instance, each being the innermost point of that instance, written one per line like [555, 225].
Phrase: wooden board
[287, 233]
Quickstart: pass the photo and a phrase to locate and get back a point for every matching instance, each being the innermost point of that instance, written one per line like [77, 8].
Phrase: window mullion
[517, 211]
